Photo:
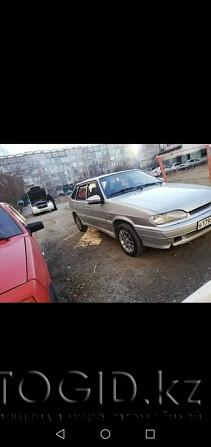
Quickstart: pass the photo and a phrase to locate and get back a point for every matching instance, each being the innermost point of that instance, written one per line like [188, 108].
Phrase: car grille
[41, 206]
[201, 208]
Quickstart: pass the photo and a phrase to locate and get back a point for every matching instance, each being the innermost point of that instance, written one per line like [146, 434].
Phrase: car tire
[79, 224]
[129, 241]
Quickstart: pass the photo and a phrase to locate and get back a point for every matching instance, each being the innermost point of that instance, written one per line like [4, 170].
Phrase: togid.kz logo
[82, 394]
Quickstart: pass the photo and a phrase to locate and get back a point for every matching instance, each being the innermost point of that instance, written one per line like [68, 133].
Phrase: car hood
[35, 194]
[168, 196]
[12, 263]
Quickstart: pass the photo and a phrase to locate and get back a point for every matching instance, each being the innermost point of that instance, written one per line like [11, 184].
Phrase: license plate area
[204, 223]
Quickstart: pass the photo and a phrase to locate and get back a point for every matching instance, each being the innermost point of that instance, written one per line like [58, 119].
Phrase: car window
[8, 227]
[93, 189]
[74, 193]
[17, 215]
[81, 195]
[123, 181]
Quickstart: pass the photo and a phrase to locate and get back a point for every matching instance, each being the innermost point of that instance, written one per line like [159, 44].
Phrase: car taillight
[29, 299]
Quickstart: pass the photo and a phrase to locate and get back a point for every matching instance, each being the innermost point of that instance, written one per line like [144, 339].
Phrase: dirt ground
[91, 266]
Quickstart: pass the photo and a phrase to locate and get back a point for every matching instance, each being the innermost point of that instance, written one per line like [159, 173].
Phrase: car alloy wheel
[126, 241]
[129, 240]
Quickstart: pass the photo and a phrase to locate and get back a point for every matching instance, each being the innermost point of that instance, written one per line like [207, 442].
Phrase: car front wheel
[130, 242]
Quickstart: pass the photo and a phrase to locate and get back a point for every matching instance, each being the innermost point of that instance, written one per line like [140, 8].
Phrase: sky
[20, 148]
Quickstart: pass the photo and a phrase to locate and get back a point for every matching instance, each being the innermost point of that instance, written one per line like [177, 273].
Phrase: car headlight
[160, 219]
[50, 203]
[34, 207]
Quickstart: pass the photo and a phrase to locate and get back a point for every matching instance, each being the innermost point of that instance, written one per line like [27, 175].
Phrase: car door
[80, 203]
[96, 213]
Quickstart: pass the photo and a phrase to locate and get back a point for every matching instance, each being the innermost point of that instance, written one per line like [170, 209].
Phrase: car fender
[123, 219]
[36, 265]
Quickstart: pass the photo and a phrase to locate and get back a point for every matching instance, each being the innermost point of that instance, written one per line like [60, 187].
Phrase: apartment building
[53, 169]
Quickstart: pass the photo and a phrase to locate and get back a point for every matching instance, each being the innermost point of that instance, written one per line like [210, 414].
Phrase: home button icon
[105, 433]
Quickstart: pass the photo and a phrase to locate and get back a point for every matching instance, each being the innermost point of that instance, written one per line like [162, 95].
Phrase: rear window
[8, 227]
[81, 193]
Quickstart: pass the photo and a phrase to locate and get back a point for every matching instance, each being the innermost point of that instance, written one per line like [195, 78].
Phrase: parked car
[178, 166]
[193, 162]
[167, 169]
[39, 201]
[141, 211]
[181, 167]
[157, 171]
[24, 276]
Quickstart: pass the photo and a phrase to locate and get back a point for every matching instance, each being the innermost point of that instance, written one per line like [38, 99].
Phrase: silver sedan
[141, 211]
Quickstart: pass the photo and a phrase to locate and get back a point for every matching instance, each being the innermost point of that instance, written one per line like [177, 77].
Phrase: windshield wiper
[147, 184]
[132, 188]
[122, 190]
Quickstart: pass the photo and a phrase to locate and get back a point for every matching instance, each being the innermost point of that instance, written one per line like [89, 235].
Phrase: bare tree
[11, 188]
[123, 167]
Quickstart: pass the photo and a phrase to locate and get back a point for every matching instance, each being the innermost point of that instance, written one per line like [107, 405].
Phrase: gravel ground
[91, 266]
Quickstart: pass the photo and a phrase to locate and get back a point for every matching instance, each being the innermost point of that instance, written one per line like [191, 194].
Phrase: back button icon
[61, 434]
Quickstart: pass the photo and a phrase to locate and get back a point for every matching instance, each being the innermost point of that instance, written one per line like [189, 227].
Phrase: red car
[24, 276]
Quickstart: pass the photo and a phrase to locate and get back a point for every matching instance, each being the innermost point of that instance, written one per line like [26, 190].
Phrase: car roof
[106, 175]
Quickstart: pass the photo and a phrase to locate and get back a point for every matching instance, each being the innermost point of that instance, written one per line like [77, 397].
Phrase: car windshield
[8, 227]
[126, 181]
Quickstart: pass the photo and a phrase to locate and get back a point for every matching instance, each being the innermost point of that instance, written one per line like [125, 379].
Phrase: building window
[203, 152]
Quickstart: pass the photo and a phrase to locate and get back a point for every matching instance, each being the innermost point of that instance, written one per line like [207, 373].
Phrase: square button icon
[150, 434]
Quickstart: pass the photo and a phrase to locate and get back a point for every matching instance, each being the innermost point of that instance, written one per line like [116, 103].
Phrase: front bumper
[42, 210]
[177, 234]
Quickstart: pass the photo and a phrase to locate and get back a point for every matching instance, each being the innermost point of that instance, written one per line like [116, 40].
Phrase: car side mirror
[35, 226]
[95, 199]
